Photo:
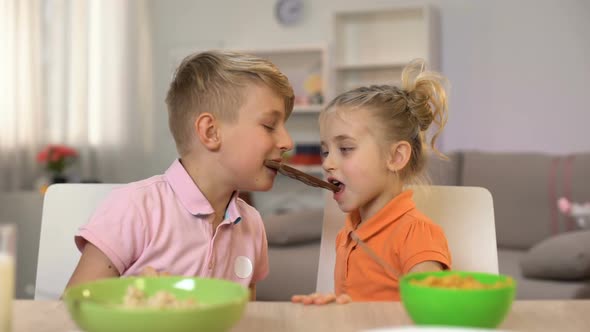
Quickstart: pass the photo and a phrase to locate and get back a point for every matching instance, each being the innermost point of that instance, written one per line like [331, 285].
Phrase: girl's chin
[345, 208]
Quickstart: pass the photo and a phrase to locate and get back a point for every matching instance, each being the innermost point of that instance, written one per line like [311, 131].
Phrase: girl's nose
[328, 164]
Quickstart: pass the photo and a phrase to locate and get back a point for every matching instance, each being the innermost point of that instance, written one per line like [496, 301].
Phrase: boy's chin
[259, 187]
[266, 188]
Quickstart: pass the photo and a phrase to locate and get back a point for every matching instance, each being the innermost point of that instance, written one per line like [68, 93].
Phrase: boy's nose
[285, 141]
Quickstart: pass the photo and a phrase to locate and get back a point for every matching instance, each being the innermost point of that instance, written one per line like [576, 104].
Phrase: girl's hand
[320, 299]
[149, 271]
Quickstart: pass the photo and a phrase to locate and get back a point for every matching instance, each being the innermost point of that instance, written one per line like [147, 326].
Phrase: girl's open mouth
[337, 183]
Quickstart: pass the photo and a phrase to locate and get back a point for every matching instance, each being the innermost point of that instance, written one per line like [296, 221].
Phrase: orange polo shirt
[400, 235]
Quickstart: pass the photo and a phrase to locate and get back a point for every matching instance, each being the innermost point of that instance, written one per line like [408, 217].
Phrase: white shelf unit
[368, 66]
[299, 63]
[373, 46]
[308, 109]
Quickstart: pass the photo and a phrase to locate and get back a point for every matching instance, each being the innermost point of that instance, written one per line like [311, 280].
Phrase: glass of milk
[7, 258]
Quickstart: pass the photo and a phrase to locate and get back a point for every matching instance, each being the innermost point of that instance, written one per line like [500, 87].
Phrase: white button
[243, 267]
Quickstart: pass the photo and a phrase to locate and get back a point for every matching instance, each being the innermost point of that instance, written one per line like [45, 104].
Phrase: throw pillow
[562, 257]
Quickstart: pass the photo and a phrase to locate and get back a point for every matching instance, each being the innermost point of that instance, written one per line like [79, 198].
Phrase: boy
[227, 114]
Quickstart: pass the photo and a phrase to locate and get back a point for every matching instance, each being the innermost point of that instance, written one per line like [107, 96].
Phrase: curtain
[21, 99]
[89, 86]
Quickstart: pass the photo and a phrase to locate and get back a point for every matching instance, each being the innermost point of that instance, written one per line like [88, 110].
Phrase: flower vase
[59, 178]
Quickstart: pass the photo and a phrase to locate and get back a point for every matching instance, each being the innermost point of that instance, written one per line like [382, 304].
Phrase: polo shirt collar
[389, 214]
[191, 197]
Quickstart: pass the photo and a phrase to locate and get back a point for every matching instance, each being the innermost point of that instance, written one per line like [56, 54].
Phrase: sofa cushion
[562, 257]
[525, 188]
[294, 227]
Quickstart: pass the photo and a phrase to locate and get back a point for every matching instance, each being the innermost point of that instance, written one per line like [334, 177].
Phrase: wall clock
[289, 12]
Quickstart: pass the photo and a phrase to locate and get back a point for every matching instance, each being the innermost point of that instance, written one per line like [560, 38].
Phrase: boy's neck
[214, 191]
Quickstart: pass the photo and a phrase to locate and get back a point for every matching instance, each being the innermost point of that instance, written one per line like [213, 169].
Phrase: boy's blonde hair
[404, 114]
[214, 82]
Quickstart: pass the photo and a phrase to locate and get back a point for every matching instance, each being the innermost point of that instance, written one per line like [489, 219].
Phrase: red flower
[57, 157]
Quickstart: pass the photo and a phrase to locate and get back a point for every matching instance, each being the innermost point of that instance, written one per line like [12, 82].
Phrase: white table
[567, 315]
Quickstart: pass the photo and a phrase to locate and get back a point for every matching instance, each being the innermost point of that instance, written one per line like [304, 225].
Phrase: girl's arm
[93, 264]
[427, 266]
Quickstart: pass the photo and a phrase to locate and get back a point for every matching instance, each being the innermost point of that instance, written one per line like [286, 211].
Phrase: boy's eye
[324, 154]
[269, 127]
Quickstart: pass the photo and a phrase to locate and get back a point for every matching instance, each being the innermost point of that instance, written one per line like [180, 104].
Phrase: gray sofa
[525, 188]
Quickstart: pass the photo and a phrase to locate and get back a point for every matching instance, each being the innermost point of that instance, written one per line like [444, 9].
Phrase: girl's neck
[375, 205]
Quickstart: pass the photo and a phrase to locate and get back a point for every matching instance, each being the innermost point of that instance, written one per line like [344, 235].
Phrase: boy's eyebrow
[274, 112]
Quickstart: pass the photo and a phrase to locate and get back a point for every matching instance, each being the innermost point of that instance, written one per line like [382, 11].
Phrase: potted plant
[56, 159]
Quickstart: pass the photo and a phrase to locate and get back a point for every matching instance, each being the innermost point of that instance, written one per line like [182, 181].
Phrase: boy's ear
[207, 130]
[399, 156]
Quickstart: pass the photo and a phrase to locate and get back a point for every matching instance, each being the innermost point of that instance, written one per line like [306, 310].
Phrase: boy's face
[353, 157]
[258, 134]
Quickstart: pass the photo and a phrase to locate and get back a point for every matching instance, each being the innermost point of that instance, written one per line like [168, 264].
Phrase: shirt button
[210, 265]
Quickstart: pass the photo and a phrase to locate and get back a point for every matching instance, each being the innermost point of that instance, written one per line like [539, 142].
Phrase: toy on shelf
[313, 87]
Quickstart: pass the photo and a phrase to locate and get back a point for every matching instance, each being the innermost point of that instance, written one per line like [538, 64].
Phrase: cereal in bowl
[136, 298]
[458, 282]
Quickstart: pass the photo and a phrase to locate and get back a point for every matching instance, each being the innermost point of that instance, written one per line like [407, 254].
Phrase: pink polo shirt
[165, 222]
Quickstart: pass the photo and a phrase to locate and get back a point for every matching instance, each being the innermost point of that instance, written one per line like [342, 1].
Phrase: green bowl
[97, 306]
[427, 305]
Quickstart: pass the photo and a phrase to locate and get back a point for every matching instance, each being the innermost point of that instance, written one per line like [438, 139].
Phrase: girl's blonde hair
[214, 82]
[404, 114]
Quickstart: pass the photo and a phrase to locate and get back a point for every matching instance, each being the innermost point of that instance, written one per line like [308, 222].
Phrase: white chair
[66, 207]
[466, 214]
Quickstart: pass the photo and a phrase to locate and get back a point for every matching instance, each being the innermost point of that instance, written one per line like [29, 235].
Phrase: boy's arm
[93, 264]
[252, 288]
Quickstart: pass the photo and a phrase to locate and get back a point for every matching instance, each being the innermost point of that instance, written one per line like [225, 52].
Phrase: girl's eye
[269, 128]
[346, 150]
[324, 154]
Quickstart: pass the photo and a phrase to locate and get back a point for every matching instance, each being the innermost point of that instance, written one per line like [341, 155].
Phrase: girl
[373, 144]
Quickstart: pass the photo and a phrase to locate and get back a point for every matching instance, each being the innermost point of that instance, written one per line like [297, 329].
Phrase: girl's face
[353, 158]
[257, 135]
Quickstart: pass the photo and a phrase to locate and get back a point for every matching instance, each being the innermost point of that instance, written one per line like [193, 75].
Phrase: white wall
[518, 68]
[520, 71]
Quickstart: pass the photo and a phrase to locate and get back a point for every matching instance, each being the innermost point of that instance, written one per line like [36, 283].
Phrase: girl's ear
[399, 156]
[207, 129]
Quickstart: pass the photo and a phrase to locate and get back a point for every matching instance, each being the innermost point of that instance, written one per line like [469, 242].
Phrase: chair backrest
[66, 207]
[466, 215]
